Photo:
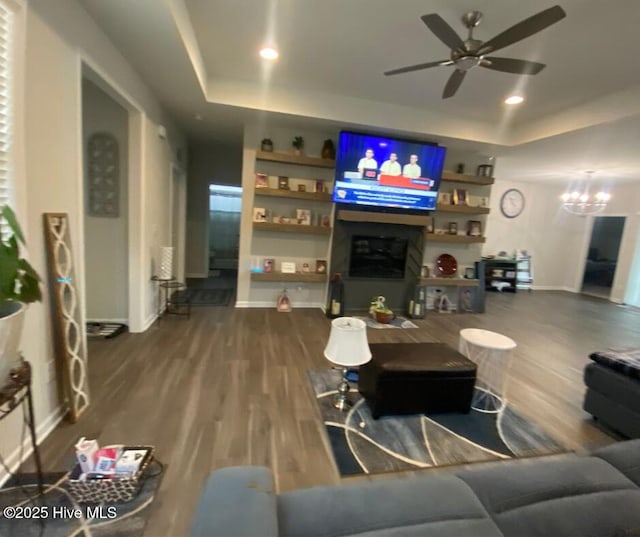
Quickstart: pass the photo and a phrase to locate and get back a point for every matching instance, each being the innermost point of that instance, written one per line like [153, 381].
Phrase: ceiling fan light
[584, 198]
[575, 195]
[269, 53]
[565, 197]
[514, 99]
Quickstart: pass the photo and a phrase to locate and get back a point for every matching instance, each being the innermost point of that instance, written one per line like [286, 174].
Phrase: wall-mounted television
[387, 172]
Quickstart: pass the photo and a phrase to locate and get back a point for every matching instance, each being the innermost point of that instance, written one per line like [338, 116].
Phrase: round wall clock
[512, 203]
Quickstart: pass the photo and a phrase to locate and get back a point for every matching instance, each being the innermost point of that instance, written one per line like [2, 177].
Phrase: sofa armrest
[238, 501]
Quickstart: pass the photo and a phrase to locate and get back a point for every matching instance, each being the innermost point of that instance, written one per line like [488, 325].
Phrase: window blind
[6, 145]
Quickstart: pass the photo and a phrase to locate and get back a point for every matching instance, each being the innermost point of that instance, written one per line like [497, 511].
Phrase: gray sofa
[560, 495]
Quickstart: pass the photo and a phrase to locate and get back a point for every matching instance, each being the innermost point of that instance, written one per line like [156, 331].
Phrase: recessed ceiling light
[269, 53]
[198, 117]
[514, 99]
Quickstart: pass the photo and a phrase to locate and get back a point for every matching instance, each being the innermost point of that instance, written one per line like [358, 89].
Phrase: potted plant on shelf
[266, 145]
[19, 286]
[298, 144]
[379, 311]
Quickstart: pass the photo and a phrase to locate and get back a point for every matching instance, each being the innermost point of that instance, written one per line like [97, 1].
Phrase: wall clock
[512, 203]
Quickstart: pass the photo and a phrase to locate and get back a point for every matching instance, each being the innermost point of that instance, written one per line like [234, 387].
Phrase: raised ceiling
[200, 57]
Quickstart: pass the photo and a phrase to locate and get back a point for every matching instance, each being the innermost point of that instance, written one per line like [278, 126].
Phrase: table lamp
[347, 347]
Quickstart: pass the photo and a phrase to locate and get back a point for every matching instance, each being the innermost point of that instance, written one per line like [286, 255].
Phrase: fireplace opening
[377, 257]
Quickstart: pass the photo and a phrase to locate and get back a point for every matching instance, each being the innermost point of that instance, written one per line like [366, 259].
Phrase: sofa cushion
[625, 456]
[237, 501]
[562, 496]
[427, 504]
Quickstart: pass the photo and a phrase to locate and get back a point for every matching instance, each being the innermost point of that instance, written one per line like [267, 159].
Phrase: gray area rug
[61, 516]
[204, 297]
[398, 322]
[362, 445]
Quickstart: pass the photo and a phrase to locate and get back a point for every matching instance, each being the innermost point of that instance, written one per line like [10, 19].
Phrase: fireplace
[376, 259]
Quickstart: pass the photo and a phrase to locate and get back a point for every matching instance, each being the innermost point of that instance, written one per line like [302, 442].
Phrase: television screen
[377, 257]
[387, 172]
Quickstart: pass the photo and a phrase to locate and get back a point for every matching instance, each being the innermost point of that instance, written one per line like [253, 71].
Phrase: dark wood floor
[229, 387]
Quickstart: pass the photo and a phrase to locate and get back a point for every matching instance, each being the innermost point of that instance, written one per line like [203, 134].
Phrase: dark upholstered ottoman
[414, 378]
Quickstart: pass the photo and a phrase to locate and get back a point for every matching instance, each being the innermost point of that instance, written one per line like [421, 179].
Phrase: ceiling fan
[471, 52]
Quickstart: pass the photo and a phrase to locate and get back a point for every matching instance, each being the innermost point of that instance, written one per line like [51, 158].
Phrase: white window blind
[6, 131]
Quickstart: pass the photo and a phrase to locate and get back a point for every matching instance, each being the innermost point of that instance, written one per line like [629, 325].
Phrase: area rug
[61, 516]
[204, 297]
[398, 322]
[362, 445]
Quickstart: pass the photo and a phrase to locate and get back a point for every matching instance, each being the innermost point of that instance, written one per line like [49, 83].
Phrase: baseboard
[150, 320]
[197, 275]
[43, 430]
[549, 288]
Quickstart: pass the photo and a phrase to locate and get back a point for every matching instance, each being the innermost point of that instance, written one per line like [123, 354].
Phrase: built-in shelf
[384, 218]
[309, 277]
[444, 282]
[461, 239]
[281, 193]
[302, 160]
[469, 179]
[291, 228]
[462, 209]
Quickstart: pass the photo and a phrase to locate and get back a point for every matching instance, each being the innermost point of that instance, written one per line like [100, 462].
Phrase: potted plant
[379, 310]
[298, 144]
[266, 145]
[19, 286]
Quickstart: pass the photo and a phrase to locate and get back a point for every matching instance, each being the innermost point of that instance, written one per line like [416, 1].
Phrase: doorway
[602, 256]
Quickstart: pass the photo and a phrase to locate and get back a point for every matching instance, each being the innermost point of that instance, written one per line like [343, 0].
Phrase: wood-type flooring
[229, 387]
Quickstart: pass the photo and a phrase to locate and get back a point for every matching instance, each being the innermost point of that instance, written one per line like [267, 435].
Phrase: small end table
[15, 390]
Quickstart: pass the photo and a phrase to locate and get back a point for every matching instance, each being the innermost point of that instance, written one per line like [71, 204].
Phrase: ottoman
[415, 378]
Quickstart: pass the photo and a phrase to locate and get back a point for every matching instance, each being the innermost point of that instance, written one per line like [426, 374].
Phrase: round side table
[491, 352]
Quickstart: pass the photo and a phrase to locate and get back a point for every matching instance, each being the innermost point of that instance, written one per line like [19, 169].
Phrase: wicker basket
[116, 490]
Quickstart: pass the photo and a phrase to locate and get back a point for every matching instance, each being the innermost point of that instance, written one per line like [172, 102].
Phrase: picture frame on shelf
[288, 267]
[259, 214]
[453, 228]
[321, 266]
[262, 180]
[268, 264]
[325, 220]
[425, 271]
[302, 188]
[283, 182]
[483, 201]
[303, 217]
[470, 273]
[305, 267]
[474, 228]
[467, 299]
[459, 196]
[444, 198]
[319, 186]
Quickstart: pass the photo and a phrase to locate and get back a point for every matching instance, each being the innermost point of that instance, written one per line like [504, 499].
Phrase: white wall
[58, 36]
[106, 238]
[557, 241]
[208, 163]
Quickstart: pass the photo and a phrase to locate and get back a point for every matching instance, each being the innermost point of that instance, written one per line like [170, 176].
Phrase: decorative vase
[328, 150]
[11, 321]
[297, 152]
[266, 145]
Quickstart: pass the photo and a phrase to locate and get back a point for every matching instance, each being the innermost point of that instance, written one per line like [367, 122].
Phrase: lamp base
[341, 402]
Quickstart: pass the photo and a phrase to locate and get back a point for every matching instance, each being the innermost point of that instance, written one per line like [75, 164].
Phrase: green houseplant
[19, 286]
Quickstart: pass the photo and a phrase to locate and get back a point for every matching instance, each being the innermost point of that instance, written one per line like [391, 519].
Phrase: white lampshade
[348, 345]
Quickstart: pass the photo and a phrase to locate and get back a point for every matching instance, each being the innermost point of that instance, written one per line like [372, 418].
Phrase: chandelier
[581, 201]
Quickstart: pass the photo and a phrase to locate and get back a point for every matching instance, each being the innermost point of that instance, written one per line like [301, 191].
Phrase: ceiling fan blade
[453, 83]
[510, 65]
[523, 29]
[443, 31]
[417, 67]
